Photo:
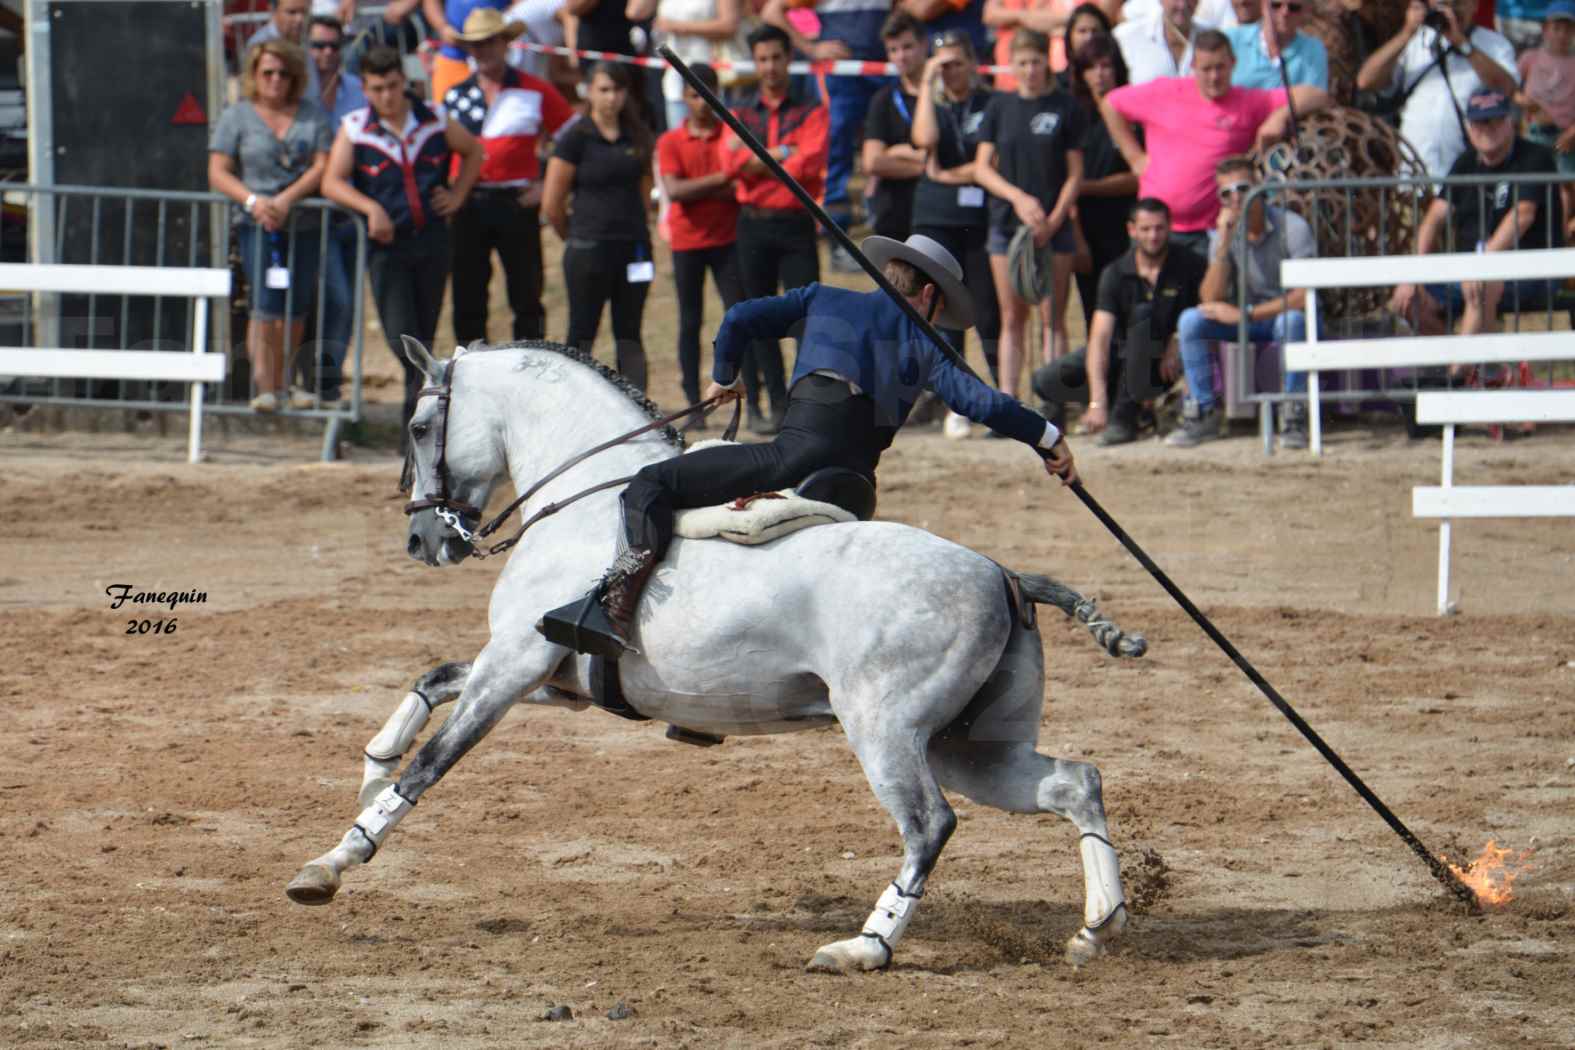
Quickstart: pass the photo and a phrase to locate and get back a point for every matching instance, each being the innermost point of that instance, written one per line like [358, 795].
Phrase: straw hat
[484, 23]
[932, 259]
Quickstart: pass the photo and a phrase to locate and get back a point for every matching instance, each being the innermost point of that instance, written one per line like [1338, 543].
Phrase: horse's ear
[420, 356]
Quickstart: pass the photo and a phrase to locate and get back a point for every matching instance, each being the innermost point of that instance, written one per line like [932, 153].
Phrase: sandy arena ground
[162, 789]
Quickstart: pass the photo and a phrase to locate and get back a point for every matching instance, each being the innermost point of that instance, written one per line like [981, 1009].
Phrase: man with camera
[1436, 63]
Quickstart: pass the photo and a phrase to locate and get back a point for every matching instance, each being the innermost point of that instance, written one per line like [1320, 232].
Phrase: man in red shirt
[510, 112]
[703, 220]
[776, 234]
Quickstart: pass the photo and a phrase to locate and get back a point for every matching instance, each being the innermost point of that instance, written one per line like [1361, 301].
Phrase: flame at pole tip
[1491, 876]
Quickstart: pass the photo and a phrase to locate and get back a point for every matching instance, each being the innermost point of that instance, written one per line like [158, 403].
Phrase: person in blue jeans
[1274, 314]
[849, 29]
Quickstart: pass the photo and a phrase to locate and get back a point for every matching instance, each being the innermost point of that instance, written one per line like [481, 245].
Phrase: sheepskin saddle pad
[760, 518]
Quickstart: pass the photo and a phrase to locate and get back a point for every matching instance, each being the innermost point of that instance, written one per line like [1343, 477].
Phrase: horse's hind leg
[437, 686]
[894, 762]
[1011, 775]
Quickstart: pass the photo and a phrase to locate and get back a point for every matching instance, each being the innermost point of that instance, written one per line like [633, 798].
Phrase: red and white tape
[836, 68]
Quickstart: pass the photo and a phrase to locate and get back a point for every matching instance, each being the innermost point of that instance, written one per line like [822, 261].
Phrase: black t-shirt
[607, 201]
[606, 28]
[1032, 137]
[1104, 219]
[1473, 226]
[938, 204]
[1134, 301]
[890, 121]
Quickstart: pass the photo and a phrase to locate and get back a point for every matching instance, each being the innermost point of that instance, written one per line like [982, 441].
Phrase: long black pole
[747, 138]
[1440, 871]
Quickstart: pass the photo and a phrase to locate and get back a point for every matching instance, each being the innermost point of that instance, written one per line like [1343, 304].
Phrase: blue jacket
[866, 338]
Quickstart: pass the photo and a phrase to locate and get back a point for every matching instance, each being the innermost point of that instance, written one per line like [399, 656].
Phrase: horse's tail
[1042, 590]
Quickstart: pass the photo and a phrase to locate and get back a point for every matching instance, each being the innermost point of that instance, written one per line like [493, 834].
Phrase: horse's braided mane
[624, 387]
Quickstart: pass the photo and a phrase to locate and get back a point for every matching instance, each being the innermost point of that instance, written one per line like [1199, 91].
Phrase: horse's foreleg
[486, 699]
[894, 762]
[1012, 776]
[437, 686]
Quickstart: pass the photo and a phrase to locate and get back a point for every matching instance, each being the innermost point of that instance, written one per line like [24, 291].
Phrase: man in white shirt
[1160, 44]
[1437, 72]
[1212, 14]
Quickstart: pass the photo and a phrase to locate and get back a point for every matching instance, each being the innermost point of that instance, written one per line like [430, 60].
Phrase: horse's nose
[414, 546]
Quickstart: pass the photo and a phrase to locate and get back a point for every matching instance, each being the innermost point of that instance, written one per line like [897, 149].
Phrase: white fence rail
[1448, 501]
[1315, 274]
[194, 368]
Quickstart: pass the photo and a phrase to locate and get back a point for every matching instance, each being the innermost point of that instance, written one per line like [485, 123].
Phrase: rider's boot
[599, 622]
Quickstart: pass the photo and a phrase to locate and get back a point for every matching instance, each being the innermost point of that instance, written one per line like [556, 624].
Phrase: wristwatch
[251, 202]
[1464, 49]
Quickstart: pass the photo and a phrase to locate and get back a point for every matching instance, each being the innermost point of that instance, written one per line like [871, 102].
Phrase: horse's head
[454, 460]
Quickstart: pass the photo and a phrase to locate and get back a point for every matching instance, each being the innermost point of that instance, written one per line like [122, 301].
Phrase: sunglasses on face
[1234, 189]
[325, 45]
[271, 74]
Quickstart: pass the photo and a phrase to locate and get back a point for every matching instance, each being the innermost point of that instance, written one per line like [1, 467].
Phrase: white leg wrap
[891, 916]
[378, 819]
[399, 732]
[1101, 879]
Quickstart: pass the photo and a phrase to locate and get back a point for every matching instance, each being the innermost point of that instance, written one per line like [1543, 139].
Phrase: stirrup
[584, 626]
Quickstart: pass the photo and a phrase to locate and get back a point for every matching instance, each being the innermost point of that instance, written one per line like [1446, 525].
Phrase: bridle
[452, 511]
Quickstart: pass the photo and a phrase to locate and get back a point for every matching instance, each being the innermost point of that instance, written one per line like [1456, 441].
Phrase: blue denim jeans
[848, 101]
[1196, 332]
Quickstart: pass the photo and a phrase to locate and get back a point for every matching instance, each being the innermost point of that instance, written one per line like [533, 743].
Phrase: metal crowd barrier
[108, 227]
[1378, 217]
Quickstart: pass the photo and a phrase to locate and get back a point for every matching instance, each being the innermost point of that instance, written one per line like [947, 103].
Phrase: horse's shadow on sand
[974, 936]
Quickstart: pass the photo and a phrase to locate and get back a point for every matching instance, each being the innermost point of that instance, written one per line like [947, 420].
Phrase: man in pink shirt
[1190, 124]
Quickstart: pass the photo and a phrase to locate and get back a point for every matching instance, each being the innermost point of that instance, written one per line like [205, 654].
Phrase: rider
[862, 362]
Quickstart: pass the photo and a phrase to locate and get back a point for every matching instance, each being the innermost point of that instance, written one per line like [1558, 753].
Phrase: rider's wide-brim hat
[932, 259]
[484, 23]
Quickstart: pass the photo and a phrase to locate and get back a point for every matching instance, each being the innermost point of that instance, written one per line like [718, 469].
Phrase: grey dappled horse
[909, 641]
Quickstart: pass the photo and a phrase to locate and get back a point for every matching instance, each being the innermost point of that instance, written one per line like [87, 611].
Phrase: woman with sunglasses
[949, 205]
[1109, 186]
[1030, 160]
[267, 152]
[1277, 34]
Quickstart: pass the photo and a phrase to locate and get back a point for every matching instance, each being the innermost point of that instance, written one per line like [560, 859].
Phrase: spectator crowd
[1112, 151]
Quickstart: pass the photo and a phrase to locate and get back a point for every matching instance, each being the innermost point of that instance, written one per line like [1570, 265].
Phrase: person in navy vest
[862, 363]
[390, 162]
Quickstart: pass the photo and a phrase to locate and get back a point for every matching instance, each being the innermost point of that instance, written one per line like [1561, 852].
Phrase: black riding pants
[827, 425]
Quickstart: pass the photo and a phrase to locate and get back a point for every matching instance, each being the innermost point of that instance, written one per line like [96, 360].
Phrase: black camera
[1435, 19]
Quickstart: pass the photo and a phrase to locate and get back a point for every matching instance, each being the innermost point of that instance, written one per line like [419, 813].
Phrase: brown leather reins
[450, 510]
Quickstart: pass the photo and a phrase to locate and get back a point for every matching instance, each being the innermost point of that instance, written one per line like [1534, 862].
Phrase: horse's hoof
[1086, 945]
[373, 788]
[316, 884]
[850, 956]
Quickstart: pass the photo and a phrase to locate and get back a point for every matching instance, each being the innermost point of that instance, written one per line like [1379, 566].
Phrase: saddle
[829, 495]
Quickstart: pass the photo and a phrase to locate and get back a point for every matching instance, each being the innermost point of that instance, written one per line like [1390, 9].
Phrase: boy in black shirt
[890, 162]
[1492, 218]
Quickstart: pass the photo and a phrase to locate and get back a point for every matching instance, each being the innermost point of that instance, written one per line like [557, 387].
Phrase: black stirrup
[845, 488]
